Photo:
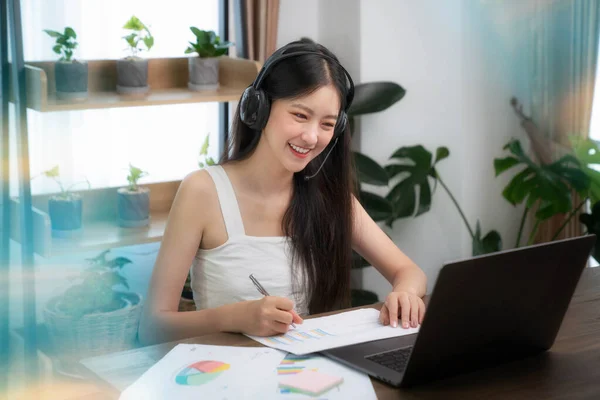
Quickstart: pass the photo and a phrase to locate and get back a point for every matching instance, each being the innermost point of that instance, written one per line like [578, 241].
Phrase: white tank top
[221, 275]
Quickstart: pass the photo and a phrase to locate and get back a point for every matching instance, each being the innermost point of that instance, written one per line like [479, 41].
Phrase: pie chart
[200, 372]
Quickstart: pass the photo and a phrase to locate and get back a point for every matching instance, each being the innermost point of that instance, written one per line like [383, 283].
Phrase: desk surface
[570, 370]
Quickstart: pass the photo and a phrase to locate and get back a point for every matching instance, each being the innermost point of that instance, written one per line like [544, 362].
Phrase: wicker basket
[93, 334]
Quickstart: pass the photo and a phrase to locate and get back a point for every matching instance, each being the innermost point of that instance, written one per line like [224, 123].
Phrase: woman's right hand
[268, 316]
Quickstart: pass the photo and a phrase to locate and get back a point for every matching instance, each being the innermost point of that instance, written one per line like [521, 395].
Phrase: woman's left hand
[407, 305]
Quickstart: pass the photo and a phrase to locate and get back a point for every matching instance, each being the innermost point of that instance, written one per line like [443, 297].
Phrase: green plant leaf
[490, 243]
[414, 172]
[588, 154]
[376, 206]
[131, 40]
[441, 153]
[373, 97]
[204, 147]
[119, 262]
[53, 34]
[99, 259]
[57, 48]
[52, 172]
[149, 42]
[134, 24]
[113, 278]
[548, 184]
[213, 38]
[502, 164]
[369, 171]
[69, 32]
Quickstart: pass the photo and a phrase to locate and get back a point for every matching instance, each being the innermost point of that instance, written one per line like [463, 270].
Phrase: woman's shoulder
[197, 185]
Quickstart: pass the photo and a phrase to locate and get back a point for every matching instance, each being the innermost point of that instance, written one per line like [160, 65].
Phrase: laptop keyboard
[393, 359]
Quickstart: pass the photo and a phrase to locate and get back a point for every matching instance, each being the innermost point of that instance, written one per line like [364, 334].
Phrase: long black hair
[319, 218]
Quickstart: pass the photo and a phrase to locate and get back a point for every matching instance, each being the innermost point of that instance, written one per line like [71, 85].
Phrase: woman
[279, 206]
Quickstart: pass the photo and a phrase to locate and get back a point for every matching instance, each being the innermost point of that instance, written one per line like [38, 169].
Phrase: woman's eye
[298, 115]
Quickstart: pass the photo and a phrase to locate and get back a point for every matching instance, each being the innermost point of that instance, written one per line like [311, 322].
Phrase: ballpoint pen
[261, 289]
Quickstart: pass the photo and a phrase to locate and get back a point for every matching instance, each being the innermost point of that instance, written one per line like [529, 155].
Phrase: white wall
[455, 62]
[297, 19]
[457, 70]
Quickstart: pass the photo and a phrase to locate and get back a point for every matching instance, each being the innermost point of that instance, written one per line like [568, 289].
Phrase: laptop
[483, 311]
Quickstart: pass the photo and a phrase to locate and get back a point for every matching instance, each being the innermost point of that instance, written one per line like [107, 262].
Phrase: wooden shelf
[100, 230]
[167, 78]
[101, 235]
[101, 100]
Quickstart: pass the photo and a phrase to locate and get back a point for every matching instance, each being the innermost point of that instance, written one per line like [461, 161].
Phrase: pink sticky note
[311, 382]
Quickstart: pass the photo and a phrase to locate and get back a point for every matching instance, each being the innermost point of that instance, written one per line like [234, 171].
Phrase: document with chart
[318, 334]
[196, 371]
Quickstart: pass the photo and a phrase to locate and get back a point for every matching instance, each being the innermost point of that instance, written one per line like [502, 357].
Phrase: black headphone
[255, 106]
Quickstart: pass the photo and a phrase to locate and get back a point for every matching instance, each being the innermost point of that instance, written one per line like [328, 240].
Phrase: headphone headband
[275, 58]
[255, 105]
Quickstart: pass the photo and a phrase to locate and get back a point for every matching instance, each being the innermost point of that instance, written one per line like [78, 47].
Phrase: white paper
[194, 371]
[356, 385]
[318, 334]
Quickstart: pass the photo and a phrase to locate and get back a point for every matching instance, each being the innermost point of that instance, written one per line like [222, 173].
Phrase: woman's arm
[409, 282]
[161, 321]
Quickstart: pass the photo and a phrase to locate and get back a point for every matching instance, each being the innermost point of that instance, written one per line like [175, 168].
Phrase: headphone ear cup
[248, 104]
[262, 112]
[341, 124]
[254, 108]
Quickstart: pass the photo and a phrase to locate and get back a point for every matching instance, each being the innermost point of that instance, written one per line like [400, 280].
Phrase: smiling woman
[280, 206]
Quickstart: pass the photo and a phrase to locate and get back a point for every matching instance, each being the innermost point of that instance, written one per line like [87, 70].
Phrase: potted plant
[204, 69]
[133, 202]
[70, 75]
[65, 208]
[132, 71]
[93, 316]
[204, 155]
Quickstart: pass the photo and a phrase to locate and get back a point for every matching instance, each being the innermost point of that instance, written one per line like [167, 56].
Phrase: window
[98, 145]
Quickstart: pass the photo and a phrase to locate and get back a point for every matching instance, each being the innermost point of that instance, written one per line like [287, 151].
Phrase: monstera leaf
[373, 97]
[548, 184]
[369, 171]
[416, 167]
[588, 154]
[490, 243]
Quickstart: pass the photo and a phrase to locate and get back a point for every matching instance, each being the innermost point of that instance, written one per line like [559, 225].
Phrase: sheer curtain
[98, 145]
[563, 73]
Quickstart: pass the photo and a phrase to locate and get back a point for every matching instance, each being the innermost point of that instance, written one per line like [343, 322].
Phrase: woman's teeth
[299, 149]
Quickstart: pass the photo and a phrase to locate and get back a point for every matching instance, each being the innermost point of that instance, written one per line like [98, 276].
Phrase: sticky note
[310, 382]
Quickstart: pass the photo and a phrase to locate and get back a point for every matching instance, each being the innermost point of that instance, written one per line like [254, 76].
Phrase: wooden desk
[570, 370]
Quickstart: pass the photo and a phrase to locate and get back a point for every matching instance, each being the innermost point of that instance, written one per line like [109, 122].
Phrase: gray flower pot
[203, 73]
[65, 215]
[132, 76]
[133, 208]
[71, 80]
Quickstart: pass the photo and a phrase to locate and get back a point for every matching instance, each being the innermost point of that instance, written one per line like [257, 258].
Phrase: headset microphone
[323, 163]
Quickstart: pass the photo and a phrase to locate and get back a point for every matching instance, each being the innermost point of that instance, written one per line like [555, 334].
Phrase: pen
[261, 289]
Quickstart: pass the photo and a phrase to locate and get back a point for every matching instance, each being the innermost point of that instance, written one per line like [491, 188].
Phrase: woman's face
[299, 129]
